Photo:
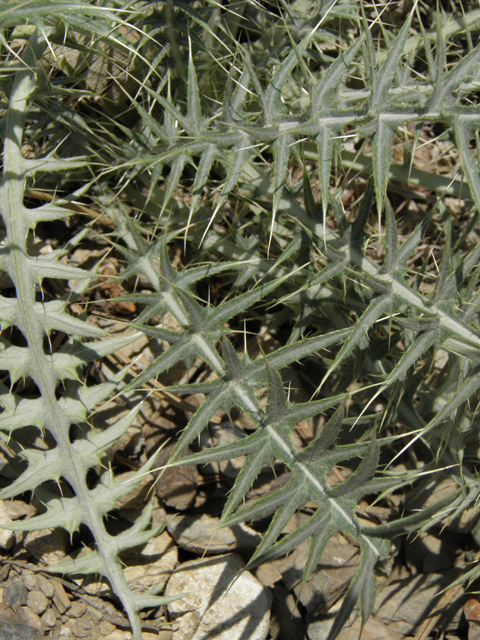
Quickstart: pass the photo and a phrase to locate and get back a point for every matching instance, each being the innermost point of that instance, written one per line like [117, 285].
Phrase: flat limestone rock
[7, 538]
[432, 491]
[337, 567]
[430, 553]
[404, 604]
[401, 607]
[286, 621]
[16, 622]
[145, 568]
[217, 435]
[49, 546]
[373, 629]
[214, 608]
[154, 565]
[177, 487]
[200, 535]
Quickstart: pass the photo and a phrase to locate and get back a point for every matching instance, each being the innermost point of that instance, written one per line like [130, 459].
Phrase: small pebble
[37, 601]
[4, 571]
[95, 615]
[7, 538]
[106, 628]
[60, 598]
[49, 618]
[84, 623]
[29, 580]
[15, 593]
[46, 586]
[77, 609]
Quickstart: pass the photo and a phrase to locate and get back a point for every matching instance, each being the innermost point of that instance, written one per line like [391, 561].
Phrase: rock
[217, 435]
[48, 546]
[177, 486]
[403, 604]
[154, 564]
[29, 579]
[45, 585]
[60, 598]
[106, 628]
[18, 509]
[286, 620]
[49, 618]
[199, 535]
[432, 491]
[7, 538]
[373, 629]
[214, 607]
[95, 615]
[146, 567]
[138, 496]
[318, 627]
[69, 629]
[98, 607]
[16, 622]
[85, 623]
[432, 553]
[37, 602]
[268, 573]
[472, 614]
[77, 609]
[338, 565]
[118, 634]
[15, 593]
[4, 572]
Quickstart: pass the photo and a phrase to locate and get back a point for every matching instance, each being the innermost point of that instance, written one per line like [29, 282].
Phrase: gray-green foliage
[246, 126]
[37, 320]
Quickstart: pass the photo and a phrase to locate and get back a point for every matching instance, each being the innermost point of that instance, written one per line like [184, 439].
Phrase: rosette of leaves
[388, 310]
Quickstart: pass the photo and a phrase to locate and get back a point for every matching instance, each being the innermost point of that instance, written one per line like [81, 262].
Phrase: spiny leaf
[377, 307]
[201, 177]
[445, 289]
[276, 407]
[362, 587]
[233, 365]
[412, 242]
[361, 475]
[391, 263]
[389, 67]
[274, 90]
[410, 523]
[325, 140]
[386, 129]
[323, 90]
[256, 460]
[446, 86]
[465, 130]
[358, 227]
[294, 413]
[325, 530]
[194, 109]
[326, 439]
[281, 153]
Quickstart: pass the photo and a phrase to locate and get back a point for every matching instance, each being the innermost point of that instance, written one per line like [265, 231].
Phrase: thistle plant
[364, 325]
